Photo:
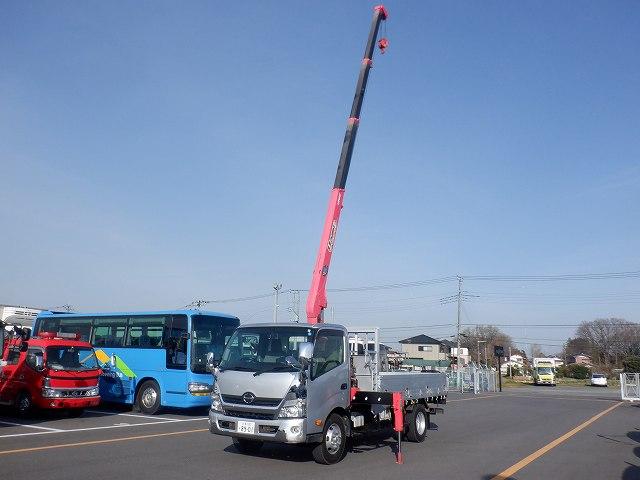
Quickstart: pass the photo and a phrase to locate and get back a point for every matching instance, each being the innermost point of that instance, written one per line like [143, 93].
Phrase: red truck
[50, 371]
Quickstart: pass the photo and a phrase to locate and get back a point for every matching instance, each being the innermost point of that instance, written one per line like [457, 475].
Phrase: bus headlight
[198, 388]
[293, 409]
[94, 392]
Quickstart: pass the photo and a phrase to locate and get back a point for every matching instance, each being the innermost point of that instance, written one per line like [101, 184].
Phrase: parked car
[598, 380]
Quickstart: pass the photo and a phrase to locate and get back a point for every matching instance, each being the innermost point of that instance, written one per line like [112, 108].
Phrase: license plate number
[246, 427]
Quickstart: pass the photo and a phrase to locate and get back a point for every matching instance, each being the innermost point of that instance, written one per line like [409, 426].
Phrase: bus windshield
[257, 349]
[71, 358]
[208, 335]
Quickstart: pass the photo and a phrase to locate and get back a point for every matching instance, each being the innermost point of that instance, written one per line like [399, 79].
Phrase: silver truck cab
[265, 390]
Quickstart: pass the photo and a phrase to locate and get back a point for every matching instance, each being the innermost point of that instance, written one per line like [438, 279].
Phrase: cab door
[10, 381]
[328, 384]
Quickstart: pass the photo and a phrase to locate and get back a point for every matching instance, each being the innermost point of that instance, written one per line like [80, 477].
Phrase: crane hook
[383, 44]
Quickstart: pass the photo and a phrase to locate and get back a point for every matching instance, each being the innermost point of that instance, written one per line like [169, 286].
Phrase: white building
[16, 315]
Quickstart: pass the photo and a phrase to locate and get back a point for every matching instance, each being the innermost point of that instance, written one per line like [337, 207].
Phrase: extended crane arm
[317, 299]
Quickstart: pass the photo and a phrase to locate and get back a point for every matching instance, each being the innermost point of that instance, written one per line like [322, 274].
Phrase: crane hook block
[383, 44]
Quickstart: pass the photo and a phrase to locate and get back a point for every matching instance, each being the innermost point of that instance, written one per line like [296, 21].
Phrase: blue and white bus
[150, 359]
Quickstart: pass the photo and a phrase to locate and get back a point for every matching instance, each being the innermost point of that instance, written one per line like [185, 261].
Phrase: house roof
[448, 343]
[421, 339]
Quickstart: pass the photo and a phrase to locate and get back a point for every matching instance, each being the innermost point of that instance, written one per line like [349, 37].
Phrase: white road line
[107, 427]
[30, 426]
[102, 412]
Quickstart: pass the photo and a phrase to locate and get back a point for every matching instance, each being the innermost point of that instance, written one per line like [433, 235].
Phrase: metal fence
[630, 386]
[473, 378]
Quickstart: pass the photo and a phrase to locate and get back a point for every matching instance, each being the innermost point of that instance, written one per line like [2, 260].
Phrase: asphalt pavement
[523, 433]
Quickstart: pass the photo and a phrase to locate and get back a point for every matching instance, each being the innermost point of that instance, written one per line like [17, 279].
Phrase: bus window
[68, 325]
[109, 331]
[146, 332]
[176, 342]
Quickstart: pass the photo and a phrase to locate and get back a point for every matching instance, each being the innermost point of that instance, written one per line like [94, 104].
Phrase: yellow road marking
[555, 397]
[96, 442]
[538, 453]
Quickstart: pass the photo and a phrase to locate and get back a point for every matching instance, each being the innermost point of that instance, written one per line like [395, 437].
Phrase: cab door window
[328, 352]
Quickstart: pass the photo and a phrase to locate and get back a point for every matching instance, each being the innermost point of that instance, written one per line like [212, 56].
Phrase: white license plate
[246, 427]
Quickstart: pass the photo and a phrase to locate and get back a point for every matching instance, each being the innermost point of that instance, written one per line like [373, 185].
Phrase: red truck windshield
[71, 358]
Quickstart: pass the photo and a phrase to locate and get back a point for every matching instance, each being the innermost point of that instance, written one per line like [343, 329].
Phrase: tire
[417, 424]
[249, 447]
[148, 397]
[75, 412]
[333, 446]
[24, 404]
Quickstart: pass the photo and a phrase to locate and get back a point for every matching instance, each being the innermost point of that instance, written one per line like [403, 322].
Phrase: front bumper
[281, 430]
[42, 402]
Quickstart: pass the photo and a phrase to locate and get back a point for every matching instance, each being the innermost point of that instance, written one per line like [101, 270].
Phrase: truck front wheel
[332, 448]
[418, 423]
[24, 404]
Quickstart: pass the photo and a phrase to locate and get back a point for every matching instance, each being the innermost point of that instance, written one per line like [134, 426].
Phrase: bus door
[176, 341]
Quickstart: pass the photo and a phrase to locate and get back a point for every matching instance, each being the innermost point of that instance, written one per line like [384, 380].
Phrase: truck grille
[251, 415]
[258, 401]
[73, 393]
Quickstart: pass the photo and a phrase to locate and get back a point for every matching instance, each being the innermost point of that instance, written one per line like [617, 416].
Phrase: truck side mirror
[212, 363]
[305, 353]
[26, 334]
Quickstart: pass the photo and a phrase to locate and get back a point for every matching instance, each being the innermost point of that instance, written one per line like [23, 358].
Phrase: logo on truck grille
[248, 397]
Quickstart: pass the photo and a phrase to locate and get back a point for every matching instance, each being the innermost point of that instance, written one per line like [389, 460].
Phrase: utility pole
[333, 320]
[295, 307]
[485, 351]
[276, 287]
[510, 372]
[458, 335]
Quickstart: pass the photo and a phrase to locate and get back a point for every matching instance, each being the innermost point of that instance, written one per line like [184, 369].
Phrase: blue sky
[156, 152]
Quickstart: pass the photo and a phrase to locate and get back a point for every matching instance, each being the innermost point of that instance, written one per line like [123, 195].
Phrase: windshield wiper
[273, 369]
[239, 368]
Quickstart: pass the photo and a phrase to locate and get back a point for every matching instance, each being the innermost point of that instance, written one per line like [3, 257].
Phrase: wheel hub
[149, 397]
[333, 438]
[421, 423]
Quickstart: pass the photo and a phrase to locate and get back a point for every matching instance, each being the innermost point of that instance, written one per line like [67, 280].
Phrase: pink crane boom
[317, 299]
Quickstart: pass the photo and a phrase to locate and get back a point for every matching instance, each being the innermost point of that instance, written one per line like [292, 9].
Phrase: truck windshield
[259, 349]
[209, 334]
[545, 370]
[71, 358]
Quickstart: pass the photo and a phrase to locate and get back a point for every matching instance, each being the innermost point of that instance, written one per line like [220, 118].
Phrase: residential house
[423, 347]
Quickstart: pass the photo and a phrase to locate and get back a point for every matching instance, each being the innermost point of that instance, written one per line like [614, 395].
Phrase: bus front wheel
[148, 397]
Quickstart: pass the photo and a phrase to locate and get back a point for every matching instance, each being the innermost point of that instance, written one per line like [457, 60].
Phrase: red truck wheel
[24, 404]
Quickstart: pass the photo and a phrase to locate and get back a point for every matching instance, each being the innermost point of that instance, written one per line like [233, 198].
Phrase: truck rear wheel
[332, 448]
[148, 397]
[418, 423]
[247, 446]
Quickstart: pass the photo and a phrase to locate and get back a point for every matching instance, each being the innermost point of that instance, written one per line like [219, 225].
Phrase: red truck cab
[50, 371]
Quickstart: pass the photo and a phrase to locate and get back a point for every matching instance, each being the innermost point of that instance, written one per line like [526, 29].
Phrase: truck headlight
[94, 392]
[293, 409]
[198, 388]
[216, 401]
[51, 393]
